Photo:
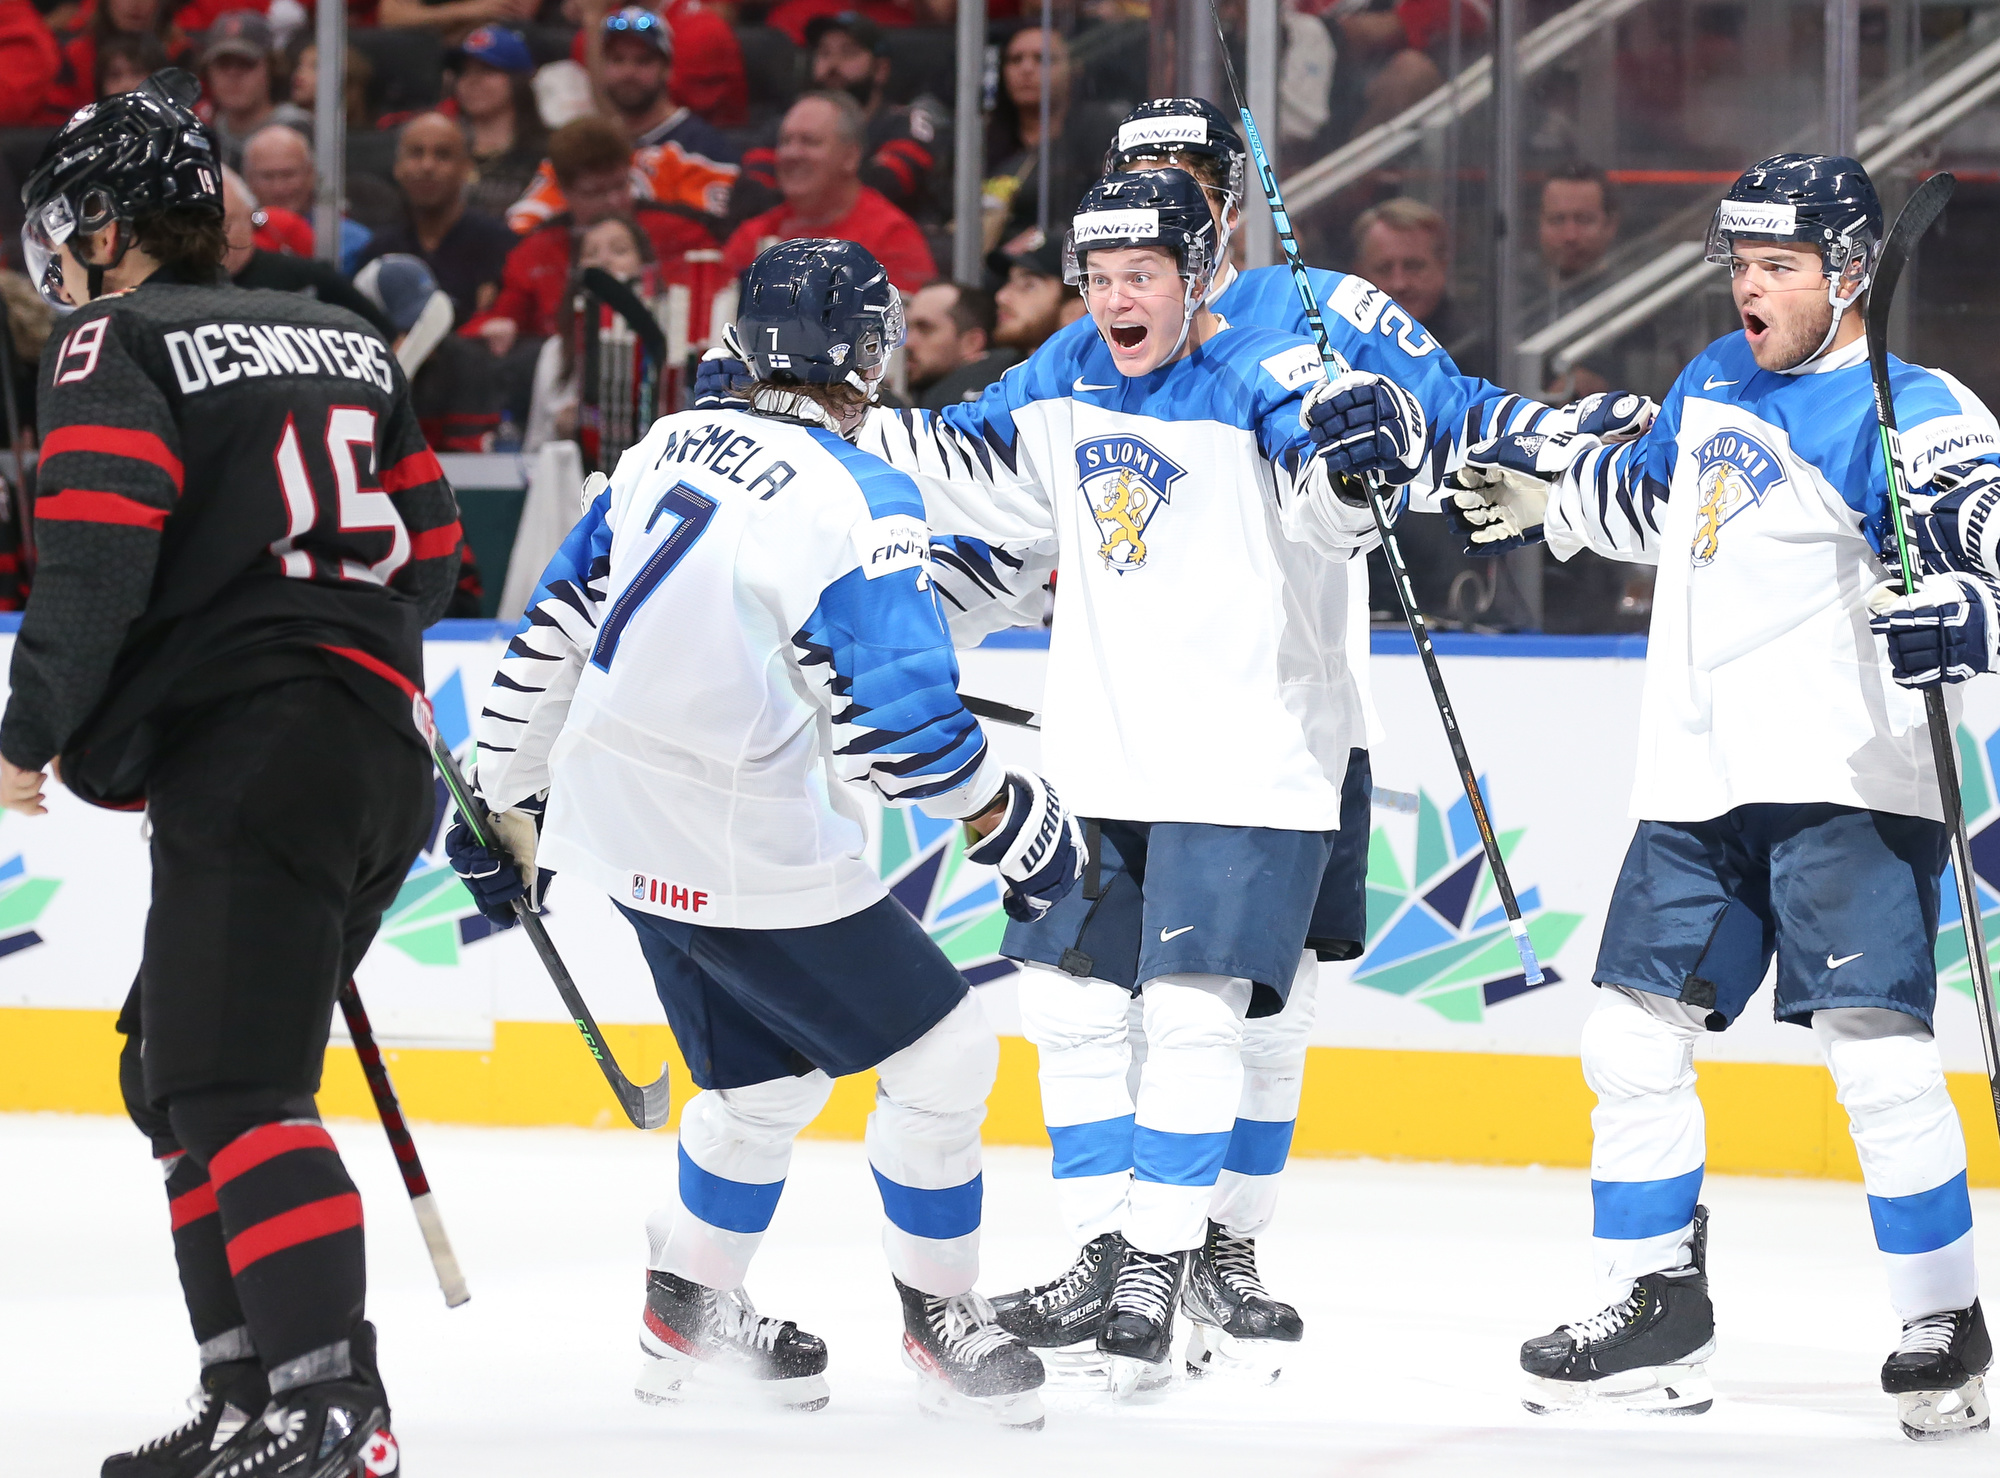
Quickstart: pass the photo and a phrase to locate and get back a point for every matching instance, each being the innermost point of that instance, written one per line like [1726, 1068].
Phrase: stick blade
[1919, 212]
[650, 1105]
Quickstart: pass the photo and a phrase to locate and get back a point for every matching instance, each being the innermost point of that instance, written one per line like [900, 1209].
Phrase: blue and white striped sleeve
[531, 691]
[983, 588]
[1611, 497]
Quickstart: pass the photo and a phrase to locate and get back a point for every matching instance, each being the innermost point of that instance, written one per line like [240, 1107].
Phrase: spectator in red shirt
[29, 61]
[76, 85]
[820, 147]
[593, 164]
[453, 19]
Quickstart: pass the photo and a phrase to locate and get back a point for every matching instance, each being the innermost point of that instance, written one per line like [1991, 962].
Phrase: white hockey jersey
[740, 622]
[1763, 500]
[1197, 666]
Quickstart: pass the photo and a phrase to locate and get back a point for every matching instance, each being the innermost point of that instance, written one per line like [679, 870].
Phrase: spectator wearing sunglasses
[708, 74]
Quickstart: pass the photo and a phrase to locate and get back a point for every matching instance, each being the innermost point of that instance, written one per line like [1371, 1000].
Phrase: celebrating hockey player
[242, 537]
[1786, 799]
[743, 620]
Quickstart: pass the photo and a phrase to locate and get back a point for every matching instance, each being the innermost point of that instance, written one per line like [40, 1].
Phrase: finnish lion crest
[1733, 473]
[1125, 483]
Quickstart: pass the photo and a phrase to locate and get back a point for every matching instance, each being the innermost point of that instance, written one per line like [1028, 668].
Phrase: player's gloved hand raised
[1037, 847]
[496, 876]
[721, 379]
[1504, 489]
[1942, 631]
[1365, 423]
[1612, 416]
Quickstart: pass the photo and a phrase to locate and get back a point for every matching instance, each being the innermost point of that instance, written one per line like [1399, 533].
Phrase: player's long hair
[192, 240]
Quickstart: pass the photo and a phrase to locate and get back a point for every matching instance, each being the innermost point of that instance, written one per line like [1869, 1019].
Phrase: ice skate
[1234, 1324]
[1937, 1375]
[336, 1429]
[706, 1343]
[230, 1394]
[1647, 1352]
[969, 1367]
[1062, 1319]
[1138, 1336]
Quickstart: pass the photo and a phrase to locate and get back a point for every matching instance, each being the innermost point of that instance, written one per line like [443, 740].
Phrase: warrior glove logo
[1124, 484]
[1733, 472]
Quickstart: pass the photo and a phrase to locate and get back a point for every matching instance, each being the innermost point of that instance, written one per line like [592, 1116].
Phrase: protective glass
[42, 237]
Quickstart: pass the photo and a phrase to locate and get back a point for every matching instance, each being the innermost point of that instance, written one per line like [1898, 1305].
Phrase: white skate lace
[1068, 1285]
[965, 1324]
[1146, 1284]
[1235, 1258]
[198, 1405]
[737, 1320]
[1930, 1335]
[1605, 1324]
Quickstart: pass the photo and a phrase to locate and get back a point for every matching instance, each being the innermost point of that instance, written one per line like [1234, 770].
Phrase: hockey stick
[646, 1106]
[1378, 504]
[1000, 713]
[443, 1259]
[1923, 207]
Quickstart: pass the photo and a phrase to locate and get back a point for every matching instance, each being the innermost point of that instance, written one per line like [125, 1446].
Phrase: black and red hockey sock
[210, 1291]
[292, 1223]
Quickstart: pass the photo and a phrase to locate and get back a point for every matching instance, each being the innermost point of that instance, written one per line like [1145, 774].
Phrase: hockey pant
[923, 1146]
[1155, 1131]
[1650, 1143]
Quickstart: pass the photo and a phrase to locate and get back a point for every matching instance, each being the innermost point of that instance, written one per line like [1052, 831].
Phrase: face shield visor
[42, 236]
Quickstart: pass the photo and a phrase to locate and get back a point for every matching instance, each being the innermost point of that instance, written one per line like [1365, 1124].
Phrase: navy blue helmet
[1155, 207]
[1167, 127]
[121, 160]
[1823, 200]
[819, 312]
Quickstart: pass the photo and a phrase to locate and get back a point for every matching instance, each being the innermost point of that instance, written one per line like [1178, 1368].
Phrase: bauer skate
[1937, 1375]
[968, 1366]
[1233, 1323]
[1648, 1352]
[1138, 1335]
[1061, 1320]
[708, 1344]
[231, 1394]
[330, 1429]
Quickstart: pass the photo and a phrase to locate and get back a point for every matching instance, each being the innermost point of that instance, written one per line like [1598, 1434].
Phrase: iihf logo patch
[1124, 482]
[1733, 472]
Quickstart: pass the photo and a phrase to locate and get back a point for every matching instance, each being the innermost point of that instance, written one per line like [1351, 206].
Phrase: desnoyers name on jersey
[218, 354]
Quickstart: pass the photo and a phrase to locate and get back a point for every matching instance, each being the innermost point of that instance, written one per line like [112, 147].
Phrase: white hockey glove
[1365, 423]
[1943, 631]
[1504, 489]
[1037, 847]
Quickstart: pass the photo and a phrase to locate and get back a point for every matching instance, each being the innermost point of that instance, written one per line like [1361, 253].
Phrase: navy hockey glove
[1365, 423]
[1037, 847]
[1943, 631]
[1614, 416]
[722, 379]
[496, 876]
[1956, 520]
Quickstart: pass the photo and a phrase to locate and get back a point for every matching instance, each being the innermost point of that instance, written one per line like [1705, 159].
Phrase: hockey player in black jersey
[242, 538]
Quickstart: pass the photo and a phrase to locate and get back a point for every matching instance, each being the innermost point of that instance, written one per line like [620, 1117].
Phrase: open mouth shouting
[1755, 327]
[1128, 338]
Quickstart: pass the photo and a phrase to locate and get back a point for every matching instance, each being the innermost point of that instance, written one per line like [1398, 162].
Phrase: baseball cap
[641, 23]
[500, 47]
[398, 284]
[237, 33]
[1034, 249]
[863, 32]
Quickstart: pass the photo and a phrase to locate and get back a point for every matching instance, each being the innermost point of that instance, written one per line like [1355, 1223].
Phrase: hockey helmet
[1156, 207]
[1167, 127]
[819, 312]
[133, 155]
[1822, 200]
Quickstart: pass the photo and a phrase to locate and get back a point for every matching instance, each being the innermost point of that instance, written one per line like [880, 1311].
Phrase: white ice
[1417, 1283]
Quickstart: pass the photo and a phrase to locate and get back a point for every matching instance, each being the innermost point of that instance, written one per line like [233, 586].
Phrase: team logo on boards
[1733, 472]
[1125, 483]
[23, 897]
[1979, 775]
[958, 903]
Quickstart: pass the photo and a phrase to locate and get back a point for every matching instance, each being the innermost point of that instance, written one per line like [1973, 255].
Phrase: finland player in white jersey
[1785, 794]
[741, 626]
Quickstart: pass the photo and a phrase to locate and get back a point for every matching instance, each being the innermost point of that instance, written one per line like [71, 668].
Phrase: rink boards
[1431, 1046]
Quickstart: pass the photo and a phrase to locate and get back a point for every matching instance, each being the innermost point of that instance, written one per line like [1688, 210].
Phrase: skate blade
[1019, 1411]
[1213, 1351]
[1137, 1381]
[1652, 1390]
[675, 1378]
[1932, 1416]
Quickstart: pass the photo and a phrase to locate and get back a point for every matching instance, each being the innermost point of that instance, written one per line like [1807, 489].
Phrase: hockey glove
[1365, 423]
[1956, 520]
[1504, 489]
[1614, 417]
[1037, 847]
[722, 379]
[496, 876]
[1942, 631]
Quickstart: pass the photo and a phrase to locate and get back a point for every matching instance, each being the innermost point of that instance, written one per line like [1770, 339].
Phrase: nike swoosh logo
[1079, 385]
[1165, 934]
[1711, 383]
[1833, 964]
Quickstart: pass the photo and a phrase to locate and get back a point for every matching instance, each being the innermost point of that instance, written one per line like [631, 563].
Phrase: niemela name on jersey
[218, 354]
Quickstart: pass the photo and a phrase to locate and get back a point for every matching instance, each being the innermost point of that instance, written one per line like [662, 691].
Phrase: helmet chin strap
[94, 271]
[1840, 307]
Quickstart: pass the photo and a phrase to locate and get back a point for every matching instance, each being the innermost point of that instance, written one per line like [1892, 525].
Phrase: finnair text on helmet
[1762, 217]
[1114, 225]
[1143, 131]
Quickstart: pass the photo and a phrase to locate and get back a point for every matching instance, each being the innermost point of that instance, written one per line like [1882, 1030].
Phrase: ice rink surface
[1417, 1284]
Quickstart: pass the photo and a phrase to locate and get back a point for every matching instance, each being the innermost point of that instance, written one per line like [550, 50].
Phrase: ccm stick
[1378, 504]
[646, 1106]
[1923, 207]
[443, 1259]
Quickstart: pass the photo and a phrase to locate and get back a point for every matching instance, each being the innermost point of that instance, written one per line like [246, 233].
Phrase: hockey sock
[1274, 1068]
[735, 1150]
[923, 1145]
[203, 1261]
[1079, 1028]
[1188, 1096]
[293, 1223]
[1889, 1078]
[1649, 1137]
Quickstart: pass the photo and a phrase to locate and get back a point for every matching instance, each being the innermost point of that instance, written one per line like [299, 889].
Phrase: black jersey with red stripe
[232, 488]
